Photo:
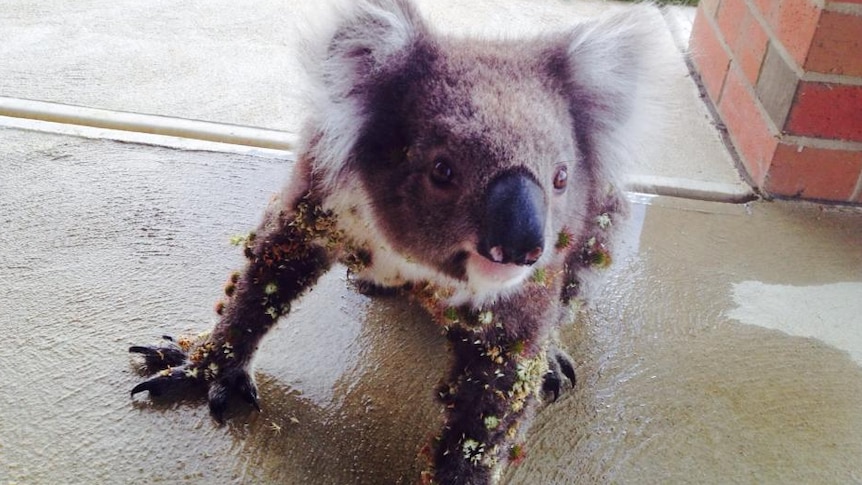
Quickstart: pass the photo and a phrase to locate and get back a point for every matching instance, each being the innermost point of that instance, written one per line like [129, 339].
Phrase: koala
[477, 177]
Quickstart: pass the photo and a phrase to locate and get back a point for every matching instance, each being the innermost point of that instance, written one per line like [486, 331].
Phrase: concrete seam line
[144, 123]
[177, 143]
[690, 189]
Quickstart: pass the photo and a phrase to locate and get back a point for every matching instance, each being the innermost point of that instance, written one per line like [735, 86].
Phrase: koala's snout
[513, 223]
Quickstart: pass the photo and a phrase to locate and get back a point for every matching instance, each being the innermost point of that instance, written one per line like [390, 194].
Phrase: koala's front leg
[285, 257]
[492, 389]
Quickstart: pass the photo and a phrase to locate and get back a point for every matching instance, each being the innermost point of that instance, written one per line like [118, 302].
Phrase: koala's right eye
[561, 178]
[441, 173]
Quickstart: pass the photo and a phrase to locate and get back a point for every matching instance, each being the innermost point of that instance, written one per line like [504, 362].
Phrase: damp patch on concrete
[831, 313]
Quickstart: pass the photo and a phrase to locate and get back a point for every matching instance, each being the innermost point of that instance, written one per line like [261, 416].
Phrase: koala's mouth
[482, 270]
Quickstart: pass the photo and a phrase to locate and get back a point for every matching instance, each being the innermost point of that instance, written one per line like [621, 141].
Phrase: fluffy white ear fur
[620, 63]
[615, 61]
[363, 37]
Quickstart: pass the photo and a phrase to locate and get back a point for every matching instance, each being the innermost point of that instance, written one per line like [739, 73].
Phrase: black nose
[513, 223]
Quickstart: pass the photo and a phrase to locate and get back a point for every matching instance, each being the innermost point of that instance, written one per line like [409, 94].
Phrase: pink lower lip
[494, 271]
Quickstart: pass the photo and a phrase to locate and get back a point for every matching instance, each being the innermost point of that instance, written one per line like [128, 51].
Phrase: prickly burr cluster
[479, 178]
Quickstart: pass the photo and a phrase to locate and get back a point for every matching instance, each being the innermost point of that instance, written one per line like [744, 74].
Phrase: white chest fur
[391, 268]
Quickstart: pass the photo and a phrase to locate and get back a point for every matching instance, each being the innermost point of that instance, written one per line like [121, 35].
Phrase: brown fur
[410, 133]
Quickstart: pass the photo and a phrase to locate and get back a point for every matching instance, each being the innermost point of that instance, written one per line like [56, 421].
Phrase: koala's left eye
[441, 173]
[561, 178]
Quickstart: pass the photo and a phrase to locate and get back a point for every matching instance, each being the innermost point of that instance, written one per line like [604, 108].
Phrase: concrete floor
[725, 348]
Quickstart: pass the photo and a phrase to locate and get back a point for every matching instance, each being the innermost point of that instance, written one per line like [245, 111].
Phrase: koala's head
[476, 154]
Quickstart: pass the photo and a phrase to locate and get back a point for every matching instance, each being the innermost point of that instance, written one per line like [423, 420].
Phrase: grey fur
[409, 132]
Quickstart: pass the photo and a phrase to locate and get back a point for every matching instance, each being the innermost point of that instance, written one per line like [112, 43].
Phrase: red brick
[827, 111]
[837, 45]
[795, 22]
[708, 6]
[708, 54]
[767, 8]
[750, 47]
[750, 132]
[731, 15]
[814, 173]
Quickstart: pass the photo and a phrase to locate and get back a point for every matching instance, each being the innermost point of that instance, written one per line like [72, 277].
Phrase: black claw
[559, 364]
[253, 400]
[240, 382]
[217, 398]
[369, 288]
[160, 357]
[169, 362]
[162, 382]
[144, 386]
[248, 391]
[567, 366]
[155, 386]
[552, 384]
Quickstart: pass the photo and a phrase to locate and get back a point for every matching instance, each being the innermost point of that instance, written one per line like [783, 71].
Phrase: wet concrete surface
[676, 389]
[724, 347]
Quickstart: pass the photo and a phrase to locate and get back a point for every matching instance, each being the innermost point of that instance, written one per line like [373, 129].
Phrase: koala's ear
[364, 42]
[375, 35]
[617, 69]
[612, 61]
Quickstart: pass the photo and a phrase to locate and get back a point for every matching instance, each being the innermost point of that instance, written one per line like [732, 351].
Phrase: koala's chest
[369, 255]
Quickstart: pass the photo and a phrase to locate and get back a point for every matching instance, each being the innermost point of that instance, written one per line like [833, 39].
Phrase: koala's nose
[513, 224]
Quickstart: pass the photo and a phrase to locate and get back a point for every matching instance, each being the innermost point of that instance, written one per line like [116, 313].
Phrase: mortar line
[856, 196]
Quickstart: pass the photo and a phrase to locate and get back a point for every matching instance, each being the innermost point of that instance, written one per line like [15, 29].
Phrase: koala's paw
[559, 364]
[372, 289]
[173, 369]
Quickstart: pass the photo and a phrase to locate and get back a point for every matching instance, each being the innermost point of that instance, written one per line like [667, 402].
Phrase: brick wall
[786, 79]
